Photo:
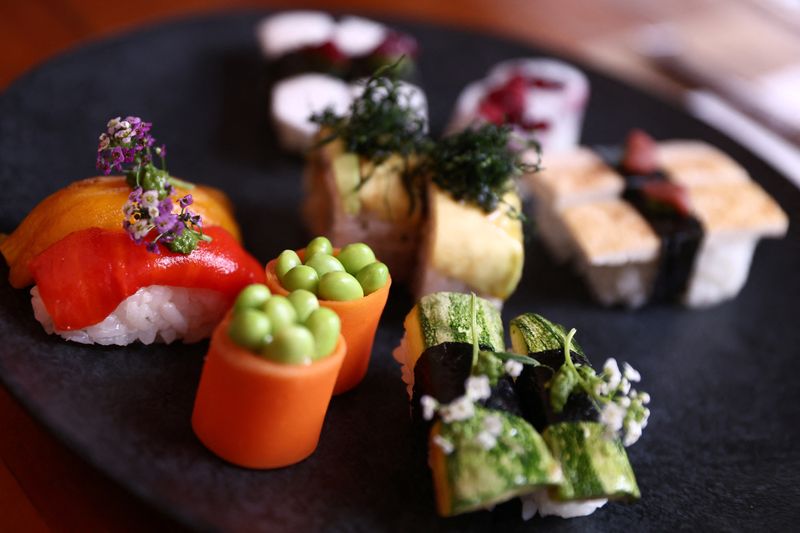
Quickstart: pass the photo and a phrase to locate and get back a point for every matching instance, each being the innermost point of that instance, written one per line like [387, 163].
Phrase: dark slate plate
[721, 451]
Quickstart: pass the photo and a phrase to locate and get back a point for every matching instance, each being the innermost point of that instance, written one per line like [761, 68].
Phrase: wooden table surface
[45, 487]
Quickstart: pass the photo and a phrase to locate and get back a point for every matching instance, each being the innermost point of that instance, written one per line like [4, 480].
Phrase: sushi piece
[445, 317]
[472, 239]
[541, 99]
[361, 179]
[144, 257]
[349, 281]
[268, 379]
[677, 220]
[561, 396]
[296, 99]
[481, 451]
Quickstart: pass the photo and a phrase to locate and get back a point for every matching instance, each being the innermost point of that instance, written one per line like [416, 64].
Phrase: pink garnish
[640, 155]
[396, 44]
[668, 193]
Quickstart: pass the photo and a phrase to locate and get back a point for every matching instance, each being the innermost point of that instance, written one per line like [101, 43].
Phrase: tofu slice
[696, 163]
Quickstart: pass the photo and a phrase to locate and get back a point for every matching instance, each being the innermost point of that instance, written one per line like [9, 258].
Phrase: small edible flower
[461, 408]
[486, 440]
[513, 368]
[445, 445]
[126, 147]
[622, 408]
[429, 405]
[478, 388]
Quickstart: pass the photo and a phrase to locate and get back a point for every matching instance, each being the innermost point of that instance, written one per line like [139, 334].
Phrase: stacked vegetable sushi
[539, 424]
[540, 99]
[314, 61]
[142, 257]
[444, 215]
[676, 220]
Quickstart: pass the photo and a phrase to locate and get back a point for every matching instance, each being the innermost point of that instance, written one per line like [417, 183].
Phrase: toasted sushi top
[738, 208]
[691, 163]
[611, 232]
[574, 177]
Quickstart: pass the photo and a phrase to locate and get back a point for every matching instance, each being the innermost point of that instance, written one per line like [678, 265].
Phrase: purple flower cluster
[144, 212]
[125, 142]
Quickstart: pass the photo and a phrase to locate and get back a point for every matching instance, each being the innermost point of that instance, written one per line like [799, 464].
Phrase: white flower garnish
[631, 373]
[611, 369]
[478, 388]
[150, 198]
[459, 409]
[445, 445]
[429, 405]
[513, 368]
[612, 416]
[493, 424]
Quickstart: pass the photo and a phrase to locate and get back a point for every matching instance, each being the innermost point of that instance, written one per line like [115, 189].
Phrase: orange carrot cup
[257, 413]
[359, 323]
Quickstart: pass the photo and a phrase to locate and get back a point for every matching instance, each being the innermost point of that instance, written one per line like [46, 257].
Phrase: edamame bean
[356, 256]
[304, 303]
[301, 277]
[286, 261]
[253, 296]
[318, 245]
[249, 327]
[281, 313]
[325, 325]
[324, 263]
[372, 277]
[292, 345]
[339, 286]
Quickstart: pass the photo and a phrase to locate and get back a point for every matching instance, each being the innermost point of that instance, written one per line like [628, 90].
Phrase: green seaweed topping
[478, 165]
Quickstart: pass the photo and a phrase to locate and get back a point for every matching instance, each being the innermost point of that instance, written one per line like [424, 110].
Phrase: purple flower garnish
[186, 201]
[152, 247]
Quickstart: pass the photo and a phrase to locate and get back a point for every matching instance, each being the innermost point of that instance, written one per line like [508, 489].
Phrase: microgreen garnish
[478, 165]
[622, 408]
[381, 122]
[127, 147]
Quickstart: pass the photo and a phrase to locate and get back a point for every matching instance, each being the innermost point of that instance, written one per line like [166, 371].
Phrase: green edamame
[286, 261]
[281, 312]
[325, 325]
[372, 277]
[339, 286]
[292, 345]
[324, 263]
[252, 297]
[304, 303]
[301, 277]
[355, 257]
[249, 327]
[318, 245]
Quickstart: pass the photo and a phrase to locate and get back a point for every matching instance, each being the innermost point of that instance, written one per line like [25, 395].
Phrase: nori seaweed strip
[679, 234]
[441, 372]
[534, 395]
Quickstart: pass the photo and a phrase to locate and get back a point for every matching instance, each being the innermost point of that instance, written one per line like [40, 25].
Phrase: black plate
[721, 448]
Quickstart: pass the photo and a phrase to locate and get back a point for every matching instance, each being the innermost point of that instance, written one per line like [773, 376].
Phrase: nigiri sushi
[664, 221]
[114, 260]
[539, 98]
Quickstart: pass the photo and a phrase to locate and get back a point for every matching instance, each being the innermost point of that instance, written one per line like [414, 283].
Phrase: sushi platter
[412, 248]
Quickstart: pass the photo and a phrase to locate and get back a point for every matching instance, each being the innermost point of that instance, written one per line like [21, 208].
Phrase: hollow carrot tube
[359, 323]
[257, 413]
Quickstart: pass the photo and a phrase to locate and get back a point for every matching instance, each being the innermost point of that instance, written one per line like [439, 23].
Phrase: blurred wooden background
[42, 485]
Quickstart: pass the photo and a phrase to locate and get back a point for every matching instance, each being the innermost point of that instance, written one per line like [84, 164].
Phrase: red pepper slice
[83, 277]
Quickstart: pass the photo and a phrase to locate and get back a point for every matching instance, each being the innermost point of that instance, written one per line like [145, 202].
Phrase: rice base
[540, 501]
[156, 313]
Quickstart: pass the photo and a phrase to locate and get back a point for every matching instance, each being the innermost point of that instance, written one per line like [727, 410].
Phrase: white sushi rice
[357, 36]
[540, 502]
[286, 32]
[152, 314]
[295, 99]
